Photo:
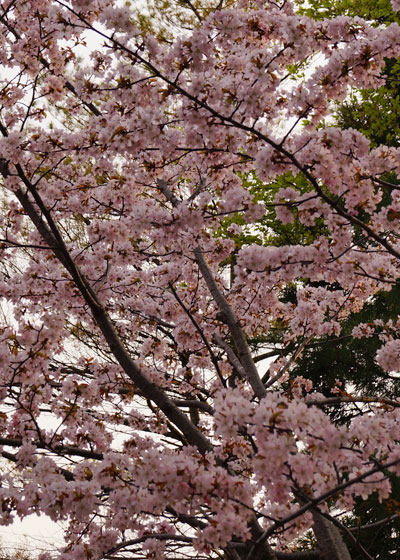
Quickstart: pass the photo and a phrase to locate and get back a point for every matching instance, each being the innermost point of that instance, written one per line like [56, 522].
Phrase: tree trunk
[330, 542]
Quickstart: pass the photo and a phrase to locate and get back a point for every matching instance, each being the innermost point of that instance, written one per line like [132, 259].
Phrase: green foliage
[383, 543]
[376, 11]
[353, 362]
[350, 359]
[375, 113]
[167, 19]
[269, 230]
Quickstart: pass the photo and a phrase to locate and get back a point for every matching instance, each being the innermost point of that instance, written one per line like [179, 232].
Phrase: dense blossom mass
[147, 402]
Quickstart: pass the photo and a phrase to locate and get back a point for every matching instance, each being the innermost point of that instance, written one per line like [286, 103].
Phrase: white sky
[34, 534]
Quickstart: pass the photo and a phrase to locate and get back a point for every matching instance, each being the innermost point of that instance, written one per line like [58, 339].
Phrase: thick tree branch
[249, 368]
[234, 360]
[59, 449]
[195, 404]
[332, 401]
[51, 235]
[330, 543]
[356, 543]
[244, 363]
[66, 474]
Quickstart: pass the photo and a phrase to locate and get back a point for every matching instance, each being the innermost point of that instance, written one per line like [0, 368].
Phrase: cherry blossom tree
[139, 407]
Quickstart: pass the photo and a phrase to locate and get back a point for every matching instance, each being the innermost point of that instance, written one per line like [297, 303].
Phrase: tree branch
[291, 361]
[313, 502]
[331, 401]
[51, 235]
[249, 368]
[364, 553]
